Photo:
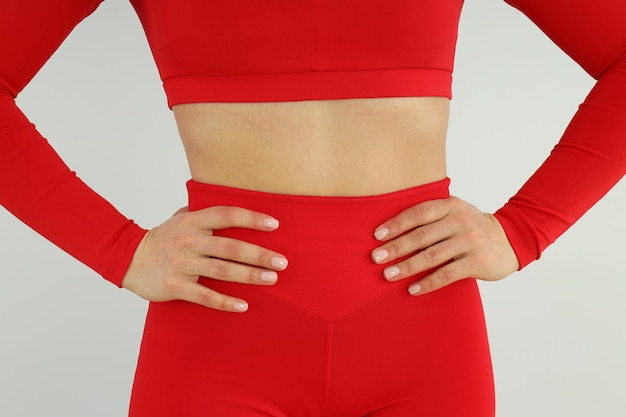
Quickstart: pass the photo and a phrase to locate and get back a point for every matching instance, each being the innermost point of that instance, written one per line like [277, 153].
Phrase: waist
[324, 147]
[327, 239]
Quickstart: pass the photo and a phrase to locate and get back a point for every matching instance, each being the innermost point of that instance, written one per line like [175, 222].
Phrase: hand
[449, 234]
[171, 257]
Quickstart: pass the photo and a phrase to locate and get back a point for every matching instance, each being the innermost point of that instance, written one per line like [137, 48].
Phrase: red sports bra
[286, 50]
[283, 50]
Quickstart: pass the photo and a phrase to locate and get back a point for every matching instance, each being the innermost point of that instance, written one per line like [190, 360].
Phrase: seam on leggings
[337, 319]
[375, 300]
[292, 304]
[329, 354]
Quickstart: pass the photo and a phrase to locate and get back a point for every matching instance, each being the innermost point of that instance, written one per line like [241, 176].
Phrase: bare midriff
[347, 147]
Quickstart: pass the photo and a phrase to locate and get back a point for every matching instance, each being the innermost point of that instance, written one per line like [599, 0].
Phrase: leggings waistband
[201, 194]
[327, 240]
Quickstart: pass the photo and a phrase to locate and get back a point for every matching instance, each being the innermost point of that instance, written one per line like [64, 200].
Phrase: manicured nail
[271, 223]
[381, 233]
[414, 289]
[241, 306]
[380, 255]
[391, 272]
[269, 276]
[280, 263]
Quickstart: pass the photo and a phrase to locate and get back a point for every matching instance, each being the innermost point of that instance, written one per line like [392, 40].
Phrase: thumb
[181, 210]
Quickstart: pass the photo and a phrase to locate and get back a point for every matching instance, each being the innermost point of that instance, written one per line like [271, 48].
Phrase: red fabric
[285, 50]
[36, 185]
[591, 156]
[275, 50]
[331, 338]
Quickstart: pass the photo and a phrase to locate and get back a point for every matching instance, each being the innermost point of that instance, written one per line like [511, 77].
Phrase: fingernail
[241, 306]
[380, 255]
[414, 289]
[391, 272]
[280, 263]
[269, 276]
[271, 223]
[381, 233]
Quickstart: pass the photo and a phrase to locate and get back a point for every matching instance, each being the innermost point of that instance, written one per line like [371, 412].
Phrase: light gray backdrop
[69, 340]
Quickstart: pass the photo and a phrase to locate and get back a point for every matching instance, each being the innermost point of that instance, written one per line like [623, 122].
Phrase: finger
[415, 216]
[244, 252]
[454, 271]
[222, 217]
[230, 271]
[199, 294]
[412, 241]
[426, 259]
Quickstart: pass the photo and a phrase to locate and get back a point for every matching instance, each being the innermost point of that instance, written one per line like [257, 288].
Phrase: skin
[345, 147]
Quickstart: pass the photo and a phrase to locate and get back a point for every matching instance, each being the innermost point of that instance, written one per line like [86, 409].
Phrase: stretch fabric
[331, 338]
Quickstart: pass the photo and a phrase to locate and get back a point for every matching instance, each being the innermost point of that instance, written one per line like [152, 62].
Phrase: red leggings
[331, 338]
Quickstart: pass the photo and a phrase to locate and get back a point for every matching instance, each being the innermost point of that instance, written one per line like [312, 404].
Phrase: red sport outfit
[344, 343]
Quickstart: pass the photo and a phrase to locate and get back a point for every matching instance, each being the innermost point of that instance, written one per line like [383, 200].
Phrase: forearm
[583, 166]
[591, 156]
[35, 184]
[44, 193]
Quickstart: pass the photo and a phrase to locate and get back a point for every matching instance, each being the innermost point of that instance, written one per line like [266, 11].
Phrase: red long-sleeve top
[286, 50]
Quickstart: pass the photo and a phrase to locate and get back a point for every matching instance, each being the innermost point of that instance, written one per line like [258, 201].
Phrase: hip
[328, 240]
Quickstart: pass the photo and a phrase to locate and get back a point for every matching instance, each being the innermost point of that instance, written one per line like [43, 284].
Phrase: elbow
[5, 91]
[616, 64]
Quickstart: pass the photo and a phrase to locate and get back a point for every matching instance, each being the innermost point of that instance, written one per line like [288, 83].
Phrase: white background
[69, 340]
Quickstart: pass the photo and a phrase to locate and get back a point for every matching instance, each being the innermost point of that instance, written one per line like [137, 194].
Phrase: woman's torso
[279, 83]
[317, 147]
